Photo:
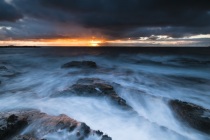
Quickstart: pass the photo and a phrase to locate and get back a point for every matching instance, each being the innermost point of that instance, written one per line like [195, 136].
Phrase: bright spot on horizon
[95, 43]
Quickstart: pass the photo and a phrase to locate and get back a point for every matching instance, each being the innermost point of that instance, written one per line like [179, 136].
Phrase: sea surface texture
[126, 93]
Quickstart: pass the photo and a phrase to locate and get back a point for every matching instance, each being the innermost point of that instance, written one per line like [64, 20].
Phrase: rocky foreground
[35, 125]
[80, 64]
[192, 115]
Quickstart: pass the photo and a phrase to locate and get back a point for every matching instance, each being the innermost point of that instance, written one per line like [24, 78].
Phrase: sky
[105, 22]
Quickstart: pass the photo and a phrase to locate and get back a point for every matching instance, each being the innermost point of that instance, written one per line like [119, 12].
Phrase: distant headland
[12, 46]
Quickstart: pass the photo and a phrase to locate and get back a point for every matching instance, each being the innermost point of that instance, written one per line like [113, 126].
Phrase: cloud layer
[8, 12]
[113, 19]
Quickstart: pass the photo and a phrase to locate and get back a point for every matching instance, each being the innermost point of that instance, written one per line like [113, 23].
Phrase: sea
[147, 78]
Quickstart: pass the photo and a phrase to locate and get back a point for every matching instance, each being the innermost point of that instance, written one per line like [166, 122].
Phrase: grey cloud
[8, 12]
[113, 18]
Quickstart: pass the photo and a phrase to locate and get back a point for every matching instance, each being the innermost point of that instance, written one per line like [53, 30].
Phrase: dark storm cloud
[132, 13]
[8, 12]
[172, 31]
[119, 18]
[34, 9]
[30, 28]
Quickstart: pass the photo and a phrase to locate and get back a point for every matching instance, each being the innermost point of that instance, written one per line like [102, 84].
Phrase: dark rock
[99, 133]
[72, 127]
[3, 68]
[38, 125]
[190, 61]
[148, 62]
[12, 75]
[8, 73]
[94, 87]
[24, 137]
[106, 137]
[194, 115]
[80, 64]
[78, 134]
[85, 129]
[11, 125]
[12, 119]
[186, 80]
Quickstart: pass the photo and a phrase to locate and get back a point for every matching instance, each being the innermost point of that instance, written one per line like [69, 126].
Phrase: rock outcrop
[3, 68]
[34, 125]
[94, 87]
[5, 72]
[80, 64]
[24, 137]
[194, 115]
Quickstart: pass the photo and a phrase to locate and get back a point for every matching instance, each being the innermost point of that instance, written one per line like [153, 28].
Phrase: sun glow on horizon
[53, 42]
[95, 43]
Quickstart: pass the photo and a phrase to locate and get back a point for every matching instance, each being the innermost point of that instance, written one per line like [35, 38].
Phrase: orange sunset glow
[54, 42]
[97, 42]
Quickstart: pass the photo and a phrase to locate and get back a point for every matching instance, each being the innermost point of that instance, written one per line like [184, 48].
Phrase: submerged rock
[24, 137]
[3, 68]
[7, 73]
[190, 61]
[93, 87]
[80, 64]
[34, 125]
[194, 115]
[11, 75]
[188, 80]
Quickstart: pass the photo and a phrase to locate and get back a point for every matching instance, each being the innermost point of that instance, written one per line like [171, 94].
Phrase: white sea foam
[145, 86]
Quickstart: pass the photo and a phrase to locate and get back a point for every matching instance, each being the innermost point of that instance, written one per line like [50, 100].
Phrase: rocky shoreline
[192, 115]
[32, 124]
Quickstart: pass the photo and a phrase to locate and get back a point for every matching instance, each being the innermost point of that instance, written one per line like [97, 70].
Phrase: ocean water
[146, 78]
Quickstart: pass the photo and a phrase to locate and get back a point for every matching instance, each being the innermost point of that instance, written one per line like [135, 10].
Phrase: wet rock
[148, 62]
[99, 133]
[186, 80]
[3, 68]
[11, 125]
[93, 87]
[194, 115]
[190, 61]
[24, 137]
[7, 73]
[105, 137]
[37, 125]
[85, 129]
[80, 64]
[12, 75]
